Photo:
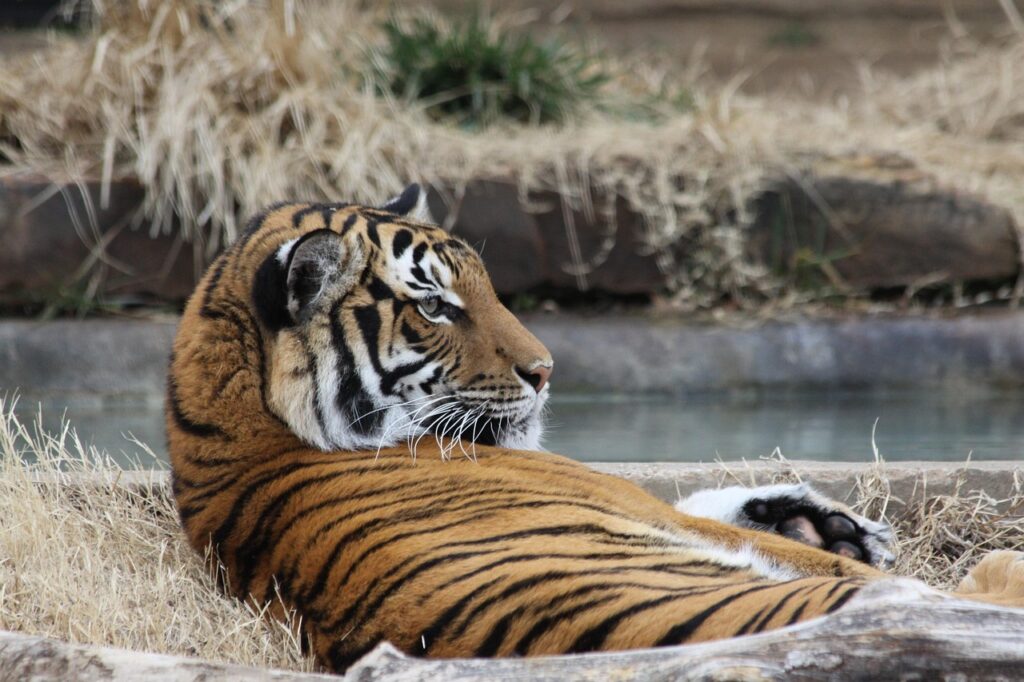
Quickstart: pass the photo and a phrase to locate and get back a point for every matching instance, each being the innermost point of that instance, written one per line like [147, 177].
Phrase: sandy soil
[817, 57]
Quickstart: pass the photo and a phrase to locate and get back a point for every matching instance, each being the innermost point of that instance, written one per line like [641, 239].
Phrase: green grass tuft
[476, 73]
[795, 35]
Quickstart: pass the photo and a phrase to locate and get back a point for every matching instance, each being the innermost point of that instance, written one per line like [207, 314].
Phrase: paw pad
[799, 518]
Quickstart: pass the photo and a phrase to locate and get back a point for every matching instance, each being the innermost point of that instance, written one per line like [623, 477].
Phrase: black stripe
[592, 556]
[684, 630]
[261, 538]
[206, 492]
[400, 242]
[496, 636]
[369, 322]
[414, 572]
[411, 336]
[341, 657]
[218, 265]
[573, 529]
[796, 614]
[408, 515]
[745, 628]
[349, 222]
[371, 232]
[290, 573]
[431, 510]
[776, 608]
[431, 633]
[227, 379]
[391, 378]
[417, 271]
[266, 478]
[379, 290]
[270, 294]
[256, 222]
[531, 582]
[306, 210]
[843, 598]
[484, 513]
[314, 369]
[838, 584]
[320, 582]
[542, 626]
[431, 493]
[207, 461]
[194, 428]
[351, 399]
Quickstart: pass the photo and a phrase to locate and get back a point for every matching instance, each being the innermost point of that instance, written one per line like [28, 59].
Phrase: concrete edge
[624, 353]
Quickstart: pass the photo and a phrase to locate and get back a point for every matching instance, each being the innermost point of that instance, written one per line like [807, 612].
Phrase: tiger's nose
[536, 377]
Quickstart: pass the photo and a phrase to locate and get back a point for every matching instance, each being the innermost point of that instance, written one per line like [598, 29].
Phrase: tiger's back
[351, 416]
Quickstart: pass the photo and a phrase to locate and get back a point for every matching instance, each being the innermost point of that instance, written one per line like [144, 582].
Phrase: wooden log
[31, 658]
[894, 629]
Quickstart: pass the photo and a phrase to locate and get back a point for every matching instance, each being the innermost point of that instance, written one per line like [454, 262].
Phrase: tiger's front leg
[798, 512]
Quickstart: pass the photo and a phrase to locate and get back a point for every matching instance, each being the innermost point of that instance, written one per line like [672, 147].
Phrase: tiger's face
[383, 329]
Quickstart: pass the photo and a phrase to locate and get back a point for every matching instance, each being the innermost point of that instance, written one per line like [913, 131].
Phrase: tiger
[354, 425]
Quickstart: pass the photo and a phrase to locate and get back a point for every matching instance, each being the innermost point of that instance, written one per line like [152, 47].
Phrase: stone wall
[855, 224]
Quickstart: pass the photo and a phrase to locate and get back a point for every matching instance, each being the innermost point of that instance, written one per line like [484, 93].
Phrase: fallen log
[31, 658]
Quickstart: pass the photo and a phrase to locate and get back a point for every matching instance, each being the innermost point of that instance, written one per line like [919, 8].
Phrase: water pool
[913, 425]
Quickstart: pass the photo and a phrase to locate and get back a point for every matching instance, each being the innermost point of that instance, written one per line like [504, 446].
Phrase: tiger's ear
[292, 281]
[412, 203]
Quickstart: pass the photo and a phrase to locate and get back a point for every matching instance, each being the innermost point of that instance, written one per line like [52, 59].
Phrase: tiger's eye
[431, 305]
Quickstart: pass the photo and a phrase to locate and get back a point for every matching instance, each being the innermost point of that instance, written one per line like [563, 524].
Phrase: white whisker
[409, 421]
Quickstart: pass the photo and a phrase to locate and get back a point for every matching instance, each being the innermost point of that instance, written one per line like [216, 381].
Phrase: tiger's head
[379, 327]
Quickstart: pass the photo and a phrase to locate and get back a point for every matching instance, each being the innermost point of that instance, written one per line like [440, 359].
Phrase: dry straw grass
[105, 563]
[220, 108]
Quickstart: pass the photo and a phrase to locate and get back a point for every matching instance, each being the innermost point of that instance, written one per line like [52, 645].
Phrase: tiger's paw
[997, 579]
[798, 512]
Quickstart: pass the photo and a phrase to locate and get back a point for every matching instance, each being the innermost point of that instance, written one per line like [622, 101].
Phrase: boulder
[880, 223]
[489, 216]
[537, 240]
[57, 234]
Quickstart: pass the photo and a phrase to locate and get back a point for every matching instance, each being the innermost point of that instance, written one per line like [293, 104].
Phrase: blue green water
[914, 425]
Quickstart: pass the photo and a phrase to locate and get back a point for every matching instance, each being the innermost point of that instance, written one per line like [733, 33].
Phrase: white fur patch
[744, 557]
[726, 504]
[285, 250]
[421, 211]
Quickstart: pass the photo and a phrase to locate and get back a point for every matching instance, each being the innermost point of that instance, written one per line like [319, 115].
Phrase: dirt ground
[21, 41]
[819, 57]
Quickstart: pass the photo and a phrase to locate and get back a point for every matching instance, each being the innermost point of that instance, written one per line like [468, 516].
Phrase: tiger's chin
[454, 426]
[525, 434]
[522, 431]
